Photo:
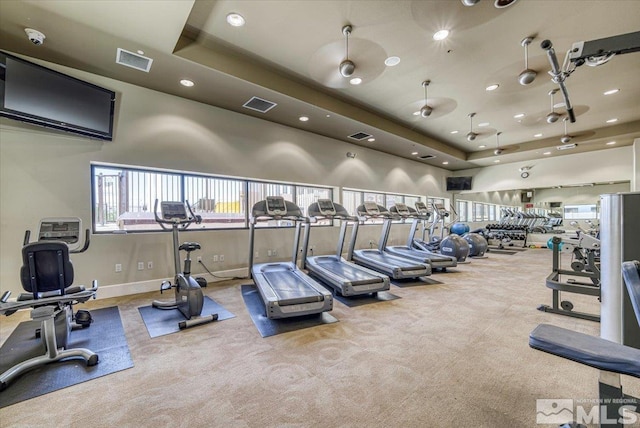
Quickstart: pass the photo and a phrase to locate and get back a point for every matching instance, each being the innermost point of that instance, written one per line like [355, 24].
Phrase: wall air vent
[133, 60]
[258, 104]
[360, 136]
[425, 157]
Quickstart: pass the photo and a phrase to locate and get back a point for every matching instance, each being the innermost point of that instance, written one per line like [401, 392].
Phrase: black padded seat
[589, 350]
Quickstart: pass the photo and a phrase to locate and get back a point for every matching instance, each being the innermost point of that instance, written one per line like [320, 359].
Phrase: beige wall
[591, 167]
[45, 173]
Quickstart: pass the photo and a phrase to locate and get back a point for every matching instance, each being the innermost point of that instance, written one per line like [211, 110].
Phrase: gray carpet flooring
[448, 354]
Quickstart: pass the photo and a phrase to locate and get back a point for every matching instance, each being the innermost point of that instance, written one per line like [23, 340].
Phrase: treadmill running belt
[291, 289]
[345, 270]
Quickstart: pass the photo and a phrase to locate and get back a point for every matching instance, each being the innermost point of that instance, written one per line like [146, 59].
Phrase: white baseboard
[117, 290]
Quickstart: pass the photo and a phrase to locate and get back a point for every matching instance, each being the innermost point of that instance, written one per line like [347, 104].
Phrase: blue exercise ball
[550, 244]
[459, 228]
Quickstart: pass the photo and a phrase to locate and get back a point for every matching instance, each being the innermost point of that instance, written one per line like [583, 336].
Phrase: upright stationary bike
[189, 299]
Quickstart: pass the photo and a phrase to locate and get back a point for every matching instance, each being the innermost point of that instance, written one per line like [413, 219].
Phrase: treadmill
[285, 289]
[376, 259]
[346, 278]
[435, 260]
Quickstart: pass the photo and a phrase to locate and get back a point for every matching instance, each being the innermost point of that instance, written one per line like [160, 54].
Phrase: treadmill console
[421, 207]
[371, 208]
[326, 207]
[67, 229]
[276, 206]
[173, 210]
[403, 210]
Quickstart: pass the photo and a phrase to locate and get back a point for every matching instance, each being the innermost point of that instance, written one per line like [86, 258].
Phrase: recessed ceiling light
[518, 116]
[445, 163]
[482, 146]
[441, 35]
[392, 61]
[186, 82]
[492, 87]
[454, 132]
[496, 161]
[414, 153]
[303, 118]
[141, 52]
[546, 153]
[416, 113]
[355, 81]
[611, 91]
[483, 124]
[537, 135]
[612, 120]
[235, 19]
[611, 143]
[371, 140]
[328, 115]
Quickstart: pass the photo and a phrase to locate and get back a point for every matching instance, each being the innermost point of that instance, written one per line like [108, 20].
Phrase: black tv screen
[458, 183]
[35, 94]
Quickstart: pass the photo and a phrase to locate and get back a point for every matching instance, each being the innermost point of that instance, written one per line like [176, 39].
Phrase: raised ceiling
[289, 52]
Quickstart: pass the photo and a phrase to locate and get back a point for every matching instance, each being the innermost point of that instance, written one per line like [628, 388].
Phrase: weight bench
[46, 275]
[612, 359]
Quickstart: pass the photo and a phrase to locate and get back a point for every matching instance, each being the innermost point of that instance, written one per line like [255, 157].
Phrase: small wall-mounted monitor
[455, 184]
[555, 204]
[35, 94]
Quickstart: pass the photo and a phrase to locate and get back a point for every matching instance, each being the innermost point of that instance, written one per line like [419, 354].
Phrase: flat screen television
[458, 183]
[35, 94]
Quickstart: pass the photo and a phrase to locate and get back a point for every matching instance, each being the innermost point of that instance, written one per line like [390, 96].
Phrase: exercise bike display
[189, 299]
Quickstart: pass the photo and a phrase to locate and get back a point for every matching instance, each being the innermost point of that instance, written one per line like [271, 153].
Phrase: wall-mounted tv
[458, 183]
[555, 204]
[35, 94]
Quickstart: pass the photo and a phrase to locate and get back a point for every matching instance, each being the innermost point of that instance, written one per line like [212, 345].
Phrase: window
[124, 198]
[352, 199]
[580, 212]
[462, 207]
[492, 212]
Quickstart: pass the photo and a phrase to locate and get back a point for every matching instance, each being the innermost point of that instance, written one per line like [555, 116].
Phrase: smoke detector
[35, 36]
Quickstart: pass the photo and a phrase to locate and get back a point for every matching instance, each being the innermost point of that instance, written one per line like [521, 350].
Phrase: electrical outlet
[118, 267]
[269, 253]
[215, 258]
[275, 253]
[199, 258]
[221, 258]
[140, 265]
[149, 265]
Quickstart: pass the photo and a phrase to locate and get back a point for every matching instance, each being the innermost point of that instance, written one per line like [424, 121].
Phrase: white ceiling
[289, 51]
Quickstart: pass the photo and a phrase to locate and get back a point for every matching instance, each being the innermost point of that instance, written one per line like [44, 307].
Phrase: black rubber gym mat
[160, 322]
[506, 252]
[268, 327]
[105, 337]
[365, 299]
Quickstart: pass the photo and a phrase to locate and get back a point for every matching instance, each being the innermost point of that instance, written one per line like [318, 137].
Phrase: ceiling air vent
[258, 104]
[133, 60]
[425, 157]
[360, 136]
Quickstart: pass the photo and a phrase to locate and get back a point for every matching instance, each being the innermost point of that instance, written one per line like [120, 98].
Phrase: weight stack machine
[620, 237]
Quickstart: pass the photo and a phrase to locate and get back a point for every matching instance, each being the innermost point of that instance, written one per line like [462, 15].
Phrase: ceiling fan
[426, 110]
[347, 62]
[347, 67]
[553, 116]
[528, 75]
[473, 135]
[498, 150]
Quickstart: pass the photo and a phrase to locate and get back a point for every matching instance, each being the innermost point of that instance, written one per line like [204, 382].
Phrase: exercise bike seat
[585, 349]
[189, 246]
